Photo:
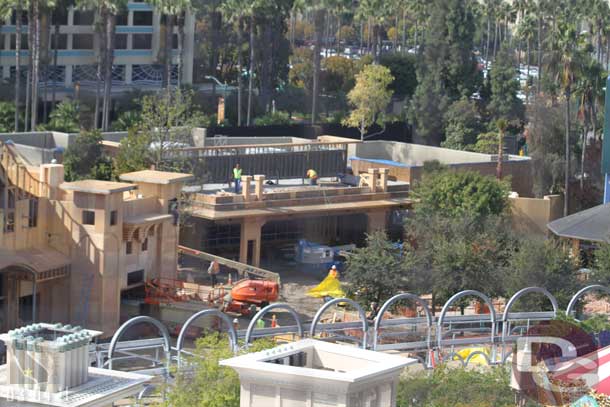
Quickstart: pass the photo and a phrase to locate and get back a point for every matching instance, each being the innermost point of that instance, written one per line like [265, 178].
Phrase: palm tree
[171, 9]
[589, 93]
[236, 11]
[526, 32]
[567, 43]
[502, 125]
[107, 11]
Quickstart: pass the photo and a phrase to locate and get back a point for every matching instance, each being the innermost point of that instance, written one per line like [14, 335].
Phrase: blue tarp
[386, 162]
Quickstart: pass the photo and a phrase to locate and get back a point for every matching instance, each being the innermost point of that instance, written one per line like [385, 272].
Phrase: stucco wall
[531, 215]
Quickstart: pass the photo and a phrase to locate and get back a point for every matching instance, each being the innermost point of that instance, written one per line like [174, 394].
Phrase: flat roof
[91, 186]
[156, 177]
[360, 364]
[279, 211]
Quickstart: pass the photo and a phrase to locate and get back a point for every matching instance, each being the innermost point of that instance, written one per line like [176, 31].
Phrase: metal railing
[450, 331]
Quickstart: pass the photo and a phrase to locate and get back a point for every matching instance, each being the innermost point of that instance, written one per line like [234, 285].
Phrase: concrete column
[383, 179]
[246, 180]
[259, 182]
[373, 178]
[376, 221]
[250, 232]
[68, 76]
[188, 48]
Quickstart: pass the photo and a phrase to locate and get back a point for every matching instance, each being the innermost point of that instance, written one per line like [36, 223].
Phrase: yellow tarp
[477, 359]
[329, 287]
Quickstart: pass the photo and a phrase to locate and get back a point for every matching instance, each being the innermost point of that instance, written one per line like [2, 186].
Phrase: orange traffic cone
[273, 321]
[432, 359]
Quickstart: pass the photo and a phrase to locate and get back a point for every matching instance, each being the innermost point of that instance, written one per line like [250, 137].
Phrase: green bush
[273, 119]
[459, 387]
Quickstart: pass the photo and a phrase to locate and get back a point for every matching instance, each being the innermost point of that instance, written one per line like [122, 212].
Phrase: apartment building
[68, 250]
[138, 46]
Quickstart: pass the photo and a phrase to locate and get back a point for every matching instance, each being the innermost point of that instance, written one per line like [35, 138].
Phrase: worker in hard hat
[313, 177]
[329, 288]
[237, 177]
[333, 271]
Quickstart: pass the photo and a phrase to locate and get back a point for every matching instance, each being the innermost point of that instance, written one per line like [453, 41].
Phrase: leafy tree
[338, 74]
[370, 97]
[64, 118]
[504, 102]
[538, 263]
[463, 124]
[375, 272]
[134, 153]
[301, 74]
[208, 384]
[456, 194]
[7, 117]
[85, 158]
[126, 120]
[487, 143]
[447, 70]
[465, 252]
[601, 265]
[402, 68]
[347, 33]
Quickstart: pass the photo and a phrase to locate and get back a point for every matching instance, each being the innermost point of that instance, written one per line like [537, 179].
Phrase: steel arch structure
[580, 293]
[262, 312]
[379, 322]
[206, 312]
[139, 320]
[327, 305]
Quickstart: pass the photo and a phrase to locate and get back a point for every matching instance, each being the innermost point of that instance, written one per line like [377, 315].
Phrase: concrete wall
[405, 162]
[531, 215]
[417, 154]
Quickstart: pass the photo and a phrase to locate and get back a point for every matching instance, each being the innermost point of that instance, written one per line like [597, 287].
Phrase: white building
[312, 373]
[138, 50]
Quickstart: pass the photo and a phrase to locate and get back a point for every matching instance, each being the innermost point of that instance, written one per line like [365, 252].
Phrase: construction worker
[333, 271]
[237, 177]
[313, 177]
[213, 271]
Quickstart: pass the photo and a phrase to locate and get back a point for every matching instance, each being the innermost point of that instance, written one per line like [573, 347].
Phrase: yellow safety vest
[237, 173]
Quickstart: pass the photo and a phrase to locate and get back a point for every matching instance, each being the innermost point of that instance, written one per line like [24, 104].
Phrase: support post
[259, 182]
[383, 179]
[246, 180]
[373, 178]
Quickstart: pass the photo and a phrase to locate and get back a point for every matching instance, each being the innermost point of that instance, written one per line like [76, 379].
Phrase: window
[175, 41]
[88, 218]
[60, 16]
[135, 277]
[121, 19]
[113, 217]
[82, 41]
[24, 18]
[142, 41]
[24, 41]
[142, 18]
[120, 41]
[145, 245]
[62, 41]
[83, 17]
[33, 213]
[129, 248]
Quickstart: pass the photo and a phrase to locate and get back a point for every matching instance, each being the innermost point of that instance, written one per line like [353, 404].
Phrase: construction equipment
[318, 259]
[246, 295]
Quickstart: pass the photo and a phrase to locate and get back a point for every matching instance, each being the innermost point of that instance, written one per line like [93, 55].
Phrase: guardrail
[450, 331]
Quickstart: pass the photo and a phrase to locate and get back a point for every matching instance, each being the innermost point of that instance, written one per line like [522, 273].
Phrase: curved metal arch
[525, 291]
[138, 320]
[477, 353]
[29, 269]
[386, 305]
[265, 310]
[455, 356]
[323, 308]
[574, 300]
[200, 314]
[462, 294]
